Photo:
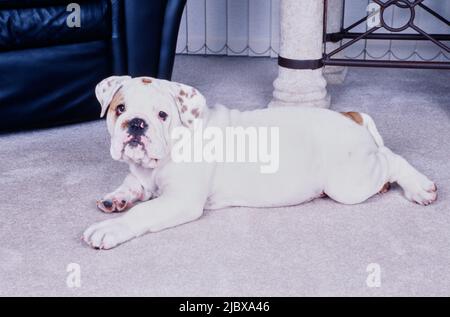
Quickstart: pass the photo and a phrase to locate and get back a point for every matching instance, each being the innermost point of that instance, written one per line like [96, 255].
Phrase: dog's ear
[191, 104]
[106, 89]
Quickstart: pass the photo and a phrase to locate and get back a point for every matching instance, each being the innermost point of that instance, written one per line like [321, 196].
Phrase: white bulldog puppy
[320, 153]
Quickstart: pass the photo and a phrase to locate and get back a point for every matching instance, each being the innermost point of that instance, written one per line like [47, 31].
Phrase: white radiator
[251, 28]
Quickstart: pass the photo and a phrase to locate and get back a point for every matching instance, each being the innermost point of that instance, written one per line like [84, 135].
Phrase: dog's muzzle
[136, 129]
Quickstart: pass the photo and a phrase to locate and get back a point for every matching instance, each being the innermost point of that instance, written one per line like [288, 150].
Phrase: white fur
[321, 151]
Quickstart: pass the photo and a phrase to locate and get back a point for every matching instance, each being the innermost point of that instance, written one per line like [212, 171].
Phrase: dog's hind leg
[362, 176]
[416, 186]
[359, 178]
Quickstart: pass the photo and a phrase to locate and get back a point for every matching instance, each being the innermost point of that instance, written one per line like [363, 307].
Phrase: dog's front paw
[108, 234]
[114, 203]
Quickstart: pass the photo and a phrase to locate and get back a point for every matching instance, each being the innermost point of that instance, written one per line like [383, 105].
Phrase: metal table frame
[345, 33]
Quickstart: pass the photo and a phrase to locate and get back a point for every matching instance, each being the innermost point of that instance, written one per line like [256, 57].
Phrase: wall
[250, 28]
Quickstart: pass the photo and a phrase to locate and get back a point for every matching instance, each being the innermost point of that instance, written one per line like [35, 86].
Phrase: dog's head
[141, 113]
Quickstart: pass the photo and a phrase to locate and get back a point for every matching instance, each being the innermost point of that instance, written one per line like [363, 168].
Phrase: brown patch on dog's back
[355, 116]
[146, 81]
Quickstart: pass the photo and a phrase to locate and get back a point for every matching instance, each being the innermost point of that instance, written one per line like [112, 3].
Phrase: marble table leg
[301, 42]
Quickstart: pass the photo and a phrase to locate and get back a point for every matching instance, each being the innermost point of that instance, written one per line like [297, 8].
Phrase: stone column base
[300, 88]
[335, 74]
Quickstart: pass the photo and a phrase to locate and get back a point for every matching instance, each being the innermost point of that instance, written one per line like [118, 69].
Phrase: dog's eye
[162, 115]
[120, 109]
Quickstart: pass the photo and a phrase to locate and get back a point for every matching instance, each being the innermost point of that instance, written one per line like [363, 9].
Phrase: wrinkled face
[141, 113]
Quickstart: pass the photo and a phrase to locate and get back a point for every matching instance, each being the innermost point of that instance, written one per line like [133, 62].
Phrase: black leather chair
[48, 70]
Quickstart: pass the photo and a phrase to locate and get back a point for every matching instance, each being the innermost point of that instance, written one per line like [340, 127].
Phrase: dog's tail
[366, 121]
[370, 125]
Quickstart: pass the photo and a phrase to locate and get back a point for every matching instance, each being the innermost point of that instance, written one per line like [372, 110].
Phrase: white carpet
[50, 179]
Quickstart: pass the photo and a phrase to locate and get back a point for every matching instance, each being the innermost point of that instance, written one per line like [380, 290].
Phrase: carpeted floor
[49, 181]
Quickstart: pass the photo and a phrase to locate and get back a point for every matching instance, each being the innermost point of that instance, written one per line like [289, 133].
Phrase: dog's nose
[137, 126]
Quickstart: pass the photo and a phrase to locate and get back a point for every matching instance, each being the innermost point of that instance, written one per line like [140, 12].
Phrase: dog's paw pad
[121, 204]
[109, 205]
[106, 205]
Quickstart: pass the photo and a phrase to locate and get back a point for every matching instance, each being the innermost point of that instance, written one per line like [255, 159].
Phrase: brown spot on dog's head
[117, 100]
[183, 93]
[195, 112]
[124, 124]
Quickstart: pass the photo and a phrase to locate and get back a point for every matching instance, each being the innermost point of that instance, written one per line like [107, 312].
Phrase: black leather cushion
[52, 85]
[44, 25]
[8, 4]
